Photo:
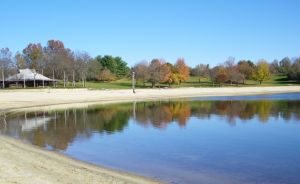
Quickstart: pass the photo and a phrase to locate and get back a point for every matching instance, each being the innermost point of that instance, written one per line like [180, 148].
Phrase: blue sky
[201, 31]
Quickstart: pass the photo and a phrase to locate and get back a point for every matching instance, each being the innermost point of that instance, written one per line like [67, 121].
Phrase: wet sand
[23, 163]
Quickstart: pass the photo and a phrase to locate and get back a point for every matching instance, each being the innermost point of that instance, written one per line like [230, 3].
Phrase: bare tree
[231, 69]
[141, 71]
[93, 69]
[201, 71]
[213, 73]
[81, 60]
[34, 75]
[164, 71]
[238, 78]
[5, 63]
[273, 67]
[154, 71]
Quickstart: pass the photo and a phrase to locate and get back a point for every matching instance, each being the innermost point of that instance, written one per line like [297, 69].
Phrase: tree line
[239, 72]
[158, 71]
[58, 62]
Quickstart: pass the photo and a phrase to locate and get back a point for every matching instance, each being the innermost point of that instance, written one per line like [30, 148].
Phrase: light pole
[133, 88]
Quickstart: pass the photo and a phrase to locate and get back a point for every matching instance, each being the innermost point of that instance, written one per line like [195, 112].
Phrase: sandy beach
[23, 163]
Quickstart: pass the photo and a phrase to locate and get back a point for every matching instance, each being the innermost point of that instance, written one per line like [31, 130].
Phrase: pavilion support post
[43, 77]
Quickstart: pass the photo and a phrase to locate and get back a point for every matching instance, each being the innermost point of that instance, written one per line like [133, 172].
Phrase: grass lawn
[280, 80]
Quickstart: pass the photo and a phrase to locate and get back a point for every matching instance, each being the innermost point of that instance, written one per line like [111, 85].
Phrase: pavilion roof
[28, 74]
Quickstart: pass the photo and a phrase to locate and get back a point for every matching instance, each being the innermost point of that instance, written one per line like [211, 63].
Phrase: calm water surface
[246, 139]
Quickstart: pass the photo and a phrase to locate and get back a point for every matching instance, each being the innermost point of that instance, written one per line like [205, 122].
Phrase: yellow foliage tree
[261, 71]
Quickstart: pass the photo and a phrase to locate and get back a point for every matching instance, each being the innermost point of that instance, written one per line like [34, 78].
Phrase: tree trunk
[3, 79]
[73, 83]
[82, 78]
[213, 83]
[64, 79]
[67, 81]
[260, 82]
[53, 79]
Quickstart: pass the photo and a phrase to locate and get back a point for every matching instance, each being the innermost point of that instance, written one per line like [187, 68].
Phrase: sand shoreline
[10, 100]
[23, 163]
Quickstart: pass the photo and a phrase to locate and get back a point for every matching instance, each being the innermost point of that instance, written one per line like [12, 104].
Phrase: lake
[243, 139]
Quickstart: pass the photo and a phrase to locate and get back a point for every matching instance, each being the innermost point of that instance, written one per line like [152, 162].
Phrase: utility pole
[133, 88]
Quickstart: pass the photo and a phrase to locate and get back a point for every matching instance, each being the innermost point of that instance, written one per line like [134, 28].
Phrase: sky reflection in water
[209, 140]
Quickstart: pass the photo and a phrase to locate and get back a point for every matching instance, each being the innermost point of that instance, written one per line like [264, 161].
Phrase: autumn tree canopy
[261, 71]
[33, 55]
[221, 78]
[182, 69]
[159, 71]
[173, 79]
[246, 69]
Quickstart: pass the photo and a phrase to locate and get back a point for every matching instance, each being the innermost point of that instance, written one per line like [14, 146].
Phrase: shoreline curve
[24, 163]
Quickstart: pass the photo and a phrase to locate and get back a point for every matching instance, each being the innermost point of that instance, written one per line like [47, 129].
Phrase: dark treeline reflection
[59, 128]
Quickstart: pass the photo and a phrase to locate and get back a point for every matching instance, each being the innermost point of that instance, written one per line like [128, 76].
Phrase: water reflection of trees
[160, 114]
[59, 128]
[248, 109]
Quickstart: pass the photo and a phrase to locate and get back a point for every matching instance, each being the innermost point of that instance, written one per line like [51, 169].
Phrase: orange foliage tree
[159, 71]
[221, 78]
[182, 69]
[173, 79]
